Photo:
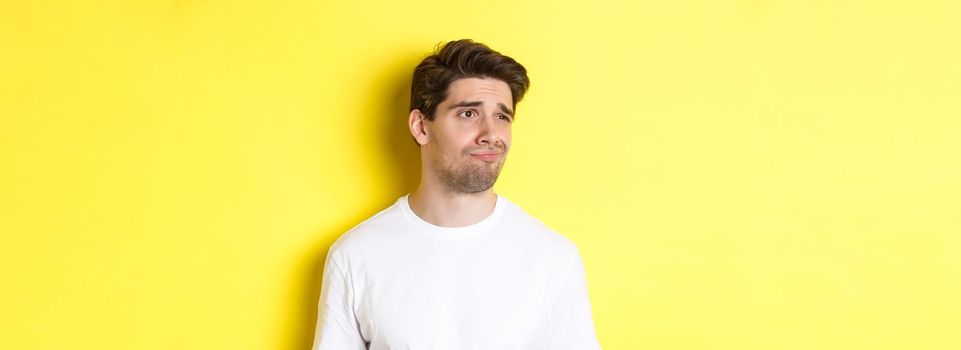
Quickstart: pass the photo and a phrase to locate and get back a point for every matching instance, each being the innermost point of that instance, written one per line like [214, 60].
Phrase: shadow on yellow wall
[392, 96]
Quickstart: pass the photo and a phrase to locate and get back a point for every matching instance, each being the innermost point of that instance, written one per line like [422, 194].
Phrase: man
[453, 265]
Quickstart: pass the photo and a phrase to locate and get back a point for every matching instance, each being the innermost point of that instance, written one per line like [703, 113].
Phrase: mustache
[498, 146]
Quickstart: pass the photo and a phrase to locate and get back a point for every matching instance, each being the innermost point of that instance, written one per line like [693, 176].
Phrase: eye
[505, 117]
[468, 113]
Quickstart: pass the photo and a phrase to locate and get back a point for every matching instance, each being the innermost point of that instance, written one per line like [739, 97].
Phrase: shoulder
[368, 234]
[532, 230]
[556, 255]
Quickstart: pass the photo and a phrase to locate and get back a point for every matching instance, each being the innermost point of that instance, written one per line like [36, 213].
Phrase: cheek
[453, 147]
[507, 136]
[461, 142]
[456, 137]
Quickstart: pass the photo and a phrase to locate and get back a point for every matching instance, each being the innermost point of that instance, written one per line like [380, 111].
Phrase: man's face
[470, 134]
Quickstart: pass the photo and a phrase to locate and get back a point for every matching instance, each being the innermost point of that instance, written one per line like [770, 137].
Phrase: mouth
[487, 156]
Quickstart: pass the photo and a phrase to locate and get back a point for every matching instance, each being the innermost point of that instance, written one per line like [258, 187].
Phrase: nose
[488, 133]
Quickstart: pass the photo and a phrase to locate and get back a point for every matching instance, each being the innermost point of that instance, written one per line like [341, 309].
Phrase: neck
[447, 209]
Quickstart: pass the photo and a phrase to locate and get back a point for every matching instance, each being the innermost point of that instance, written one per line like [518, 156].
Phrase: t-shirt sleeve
[572, 326]
[337, 327]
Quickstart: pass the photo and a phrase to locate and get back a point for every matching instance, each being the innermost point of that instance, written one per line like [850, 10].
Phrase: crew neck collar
[472, 230]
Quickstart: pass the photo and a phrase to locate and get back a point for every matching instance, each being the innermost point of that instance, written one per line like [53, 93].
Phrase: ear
[417, 121]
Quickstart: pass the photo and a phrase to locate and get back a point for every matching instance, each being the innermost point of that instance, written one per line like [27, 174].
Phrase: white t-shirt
[398, 282]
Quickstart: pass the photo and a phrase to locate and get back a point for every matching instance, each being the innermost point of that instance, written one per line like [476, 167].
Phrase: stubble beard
[466, 175]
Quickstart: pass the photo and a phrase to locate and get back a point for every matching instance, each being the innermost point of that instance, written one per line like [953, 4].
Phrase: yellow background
[737, 174]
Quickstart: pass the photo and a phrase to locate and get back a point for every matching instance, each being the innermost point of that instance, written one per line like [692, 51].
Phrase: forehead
[479, 89]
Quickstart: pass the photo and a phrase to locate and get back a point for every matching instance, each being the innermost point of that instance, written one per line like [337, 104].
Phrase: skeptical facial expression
[471, 134]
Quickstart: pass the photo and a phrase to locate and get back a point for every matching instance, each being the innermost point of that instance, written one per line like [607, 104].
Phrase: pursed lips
[487, 155]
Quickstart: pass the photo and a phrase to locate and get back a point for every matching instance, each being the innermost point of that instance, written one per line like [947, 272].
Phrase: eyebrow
[503, 108]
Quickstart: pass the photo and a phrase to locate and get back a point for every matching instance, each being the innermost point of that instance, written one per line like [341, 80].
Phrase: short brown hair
[462, 59]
